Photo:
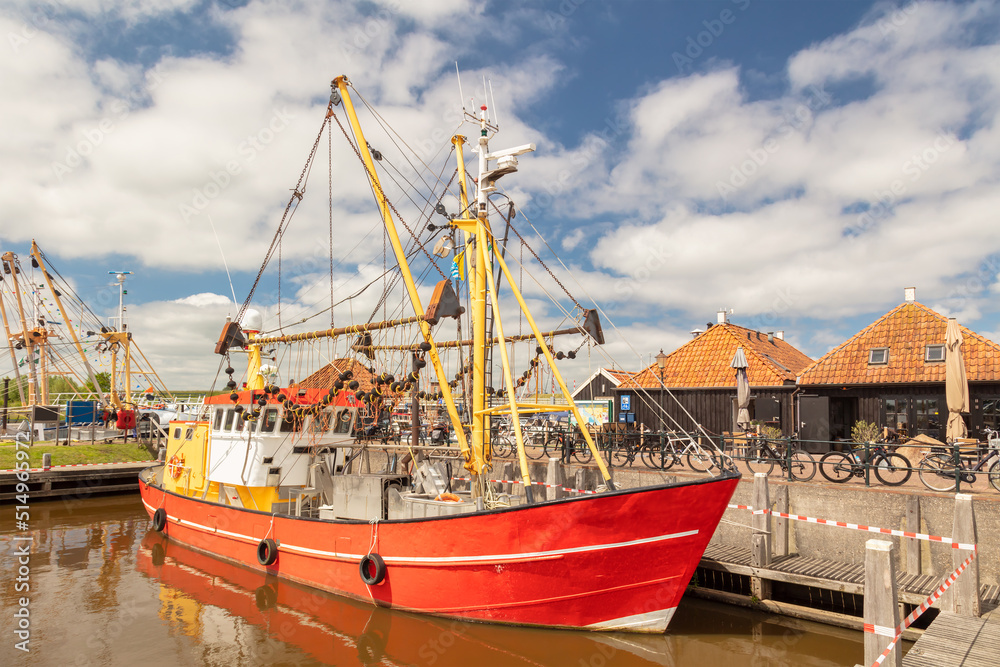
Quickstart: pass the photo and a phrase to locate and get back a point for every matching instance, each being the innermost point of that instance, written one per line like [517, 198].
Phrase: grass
[62, 455]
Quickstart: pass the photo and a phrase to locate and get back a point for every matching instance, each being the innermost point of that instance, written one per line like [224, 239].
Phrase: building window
[934, 353]
[991, 414]
[927, 418]
[897, 411]
[878, 356]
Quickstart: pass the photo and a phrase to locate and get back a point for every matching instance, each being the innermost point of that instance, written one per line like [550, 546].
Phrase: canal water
[107, 590]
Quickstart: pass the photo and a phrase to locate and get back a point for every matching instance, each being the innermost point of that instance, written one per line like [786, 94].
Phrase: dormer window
[934, 353]
[878, 356]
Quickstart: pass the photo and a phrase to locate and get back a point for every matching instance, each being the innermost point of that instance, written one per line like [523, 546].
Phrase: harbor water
[104, 589]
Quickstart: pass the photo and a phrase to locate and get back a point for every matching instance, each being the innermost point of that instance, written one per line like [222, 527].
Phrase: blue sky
[797, 162]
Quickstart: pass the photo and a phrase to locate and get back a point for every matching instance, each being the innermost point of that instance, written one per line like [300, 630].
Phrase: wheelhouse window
[240, 420]
[290, 423]
[189, 434]
[343, 423]
[878, 356]
[934, 353]
[321, 422]
[270, 419]
[218, 419]
[229, 420]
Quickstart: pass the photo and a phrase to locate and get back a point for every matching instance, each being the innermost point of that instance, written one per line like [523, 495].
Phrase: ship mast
[28, 338]
[119, 337]
[10, 268]
[473, 458]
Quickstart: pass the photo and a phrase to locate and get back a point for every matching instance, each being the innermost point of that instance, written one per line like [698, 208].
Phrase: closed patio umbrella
[742, 389]
[956, 387]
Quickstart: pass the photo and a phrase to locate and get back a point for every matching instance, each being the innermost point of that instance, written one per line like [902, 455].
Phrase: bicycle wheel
[652, 457]
[995, 475]
[534, 449]
[892, 469]
[937, 472]
[700, 460]
[759, 460]
[582, 453]
[802, 466]
[837, 467]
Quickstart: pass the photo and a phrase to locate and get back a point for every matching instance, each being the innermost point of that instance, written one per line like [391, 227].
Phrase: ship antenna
[485, 96]
[461, 95]
[228, 275]
[493, 102]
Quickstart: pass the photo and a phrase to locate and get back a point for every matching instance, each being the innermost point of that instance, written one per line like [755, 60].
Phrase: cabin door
[814, 422]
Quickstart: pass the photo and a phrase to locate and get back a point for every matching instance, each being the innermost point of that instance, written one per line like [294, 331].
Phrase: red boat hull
[612, 561]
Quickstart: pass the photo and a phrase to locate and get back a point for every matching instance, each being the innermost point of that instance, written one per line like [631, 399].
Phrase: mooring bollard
[554, 479]
[881, 607]
[760, 547]
[46, 461]
[963, 596]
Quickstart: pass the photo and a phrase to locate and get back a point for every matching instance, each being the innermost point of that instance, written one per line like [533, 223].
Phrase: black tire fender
[267, 552]
[369, 577]
[159, 520]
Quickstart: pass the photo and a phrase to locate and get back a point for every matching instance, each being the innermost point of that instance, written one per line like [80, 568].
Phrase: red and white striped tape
[862, 527]
[520, 481]
[76, 465]
[897, 632]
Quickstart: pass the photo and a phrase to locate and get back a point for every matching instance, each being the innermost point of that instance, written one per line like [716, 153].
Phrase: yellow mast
[473, 462]
[76, 341]
[27, 337]
[13, 355]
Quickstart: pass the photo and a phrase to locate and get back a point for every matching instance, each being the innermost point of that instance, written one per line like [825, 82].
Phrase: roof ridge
[853, 338]
[767, 361]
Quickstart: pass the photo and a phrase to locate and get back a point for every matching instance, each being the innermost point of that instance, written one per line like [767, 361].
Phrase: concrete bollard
[780, 525]
[913, 565]
[580, 480]
[554, 479]
[881, 596]
[963, 596]
[506, 474]
[46, 461]
[760, 546]
[161, 455]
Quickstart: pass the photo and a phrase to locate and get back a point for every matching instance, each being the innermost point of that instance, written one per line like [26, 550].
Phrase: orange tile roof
[906, 330]
[619, 375]
[705, 361]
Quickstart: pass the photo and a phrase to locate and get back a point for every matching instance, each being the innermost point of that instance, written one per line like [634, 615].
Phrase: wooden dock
[827, 574]
[957, 641]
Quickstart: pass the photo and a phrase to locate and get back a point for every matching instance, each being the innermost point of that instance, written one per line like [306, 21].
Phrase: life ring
[159, 520]
[176, 466]
[369, 576]
[448, 497]
[267, 552]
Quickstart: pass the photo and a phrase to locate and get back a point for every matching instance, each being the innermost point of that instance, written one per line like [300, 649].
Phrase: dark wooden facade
[879, 403]
[600, 386]
[712, 408]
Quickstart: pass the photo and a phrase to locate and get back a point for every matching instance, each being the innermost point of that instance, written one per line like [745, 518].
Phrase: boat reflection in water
[214, 602]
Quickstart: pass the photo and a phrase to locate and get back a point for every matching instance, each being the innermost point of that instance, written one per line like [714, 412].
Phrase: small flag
[458, 266]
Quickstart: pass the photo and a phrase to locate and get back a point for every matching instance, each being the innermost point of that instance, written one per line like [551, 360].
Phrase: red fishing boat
[279, 478]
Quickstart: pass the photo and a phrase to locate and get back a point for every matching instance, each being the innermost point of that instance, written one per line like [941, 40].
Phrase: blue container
[82, 412]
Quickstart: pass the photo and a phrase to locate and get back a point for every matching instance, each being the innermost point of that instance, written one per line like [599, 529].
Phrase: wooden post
[880, 602]
[913, 526]
[780, 525]
[554, 478]
[760, 547]
[46, 460]
[963, 596]
[580, 482]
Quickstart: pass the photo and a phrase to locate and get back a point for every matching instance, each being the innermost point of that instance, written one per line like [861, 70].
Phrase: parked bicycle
[763, 454]
[890, 468]
[663, 454]
[941, 471]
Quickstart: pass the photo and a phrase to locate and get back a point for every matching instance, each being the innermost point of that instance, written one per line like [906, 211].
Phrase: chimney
[780, 335]
[696, 332]
[910, 294]
[721, 317]
[770, 336]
